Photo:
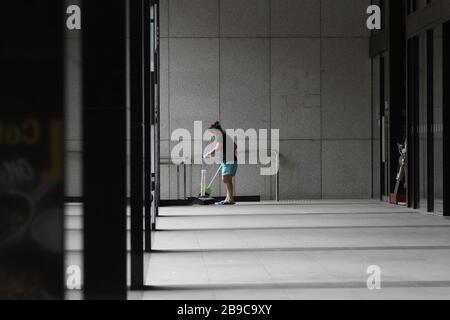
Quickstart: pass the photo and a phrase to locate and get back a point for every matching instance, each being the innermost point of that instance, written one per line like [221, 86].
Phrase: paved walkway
[298, 250]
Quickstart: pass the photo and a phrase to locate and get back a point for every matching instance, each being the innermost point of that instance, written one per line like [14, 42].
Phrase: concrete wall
[301, 66]
[298, 65]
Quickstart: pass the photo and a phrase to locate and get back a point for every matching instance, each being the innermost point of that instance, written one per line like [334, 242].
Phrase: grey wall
[298, 65]
[301, 66]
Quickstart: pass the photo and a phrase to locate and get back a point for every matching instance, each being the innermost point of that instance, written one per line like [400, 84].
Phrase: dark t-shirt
[228, 147]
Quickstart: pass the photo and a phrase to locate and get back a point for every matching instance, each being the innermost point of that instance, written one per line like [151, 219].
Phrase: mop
[204, 197]
[208, 190]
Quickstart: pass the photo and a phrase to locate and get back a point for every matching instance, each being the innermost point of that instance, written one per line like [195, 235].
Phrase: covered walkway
[298, 250]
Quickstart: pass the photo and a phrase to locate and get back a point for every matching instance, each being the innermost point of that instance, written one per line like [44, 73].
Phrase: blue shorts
[229, 169]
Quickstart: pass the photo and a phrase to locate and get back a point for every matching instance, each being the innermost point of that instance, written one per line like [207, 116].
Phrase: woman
[229, 167]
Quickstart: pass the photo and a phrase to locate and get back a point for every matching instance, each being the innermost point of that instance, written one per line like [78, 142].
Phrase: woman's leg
[228, 180]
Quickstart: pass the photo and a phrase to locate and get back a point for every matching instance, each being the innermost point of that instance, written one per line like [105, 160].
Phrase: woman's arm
[213, 151]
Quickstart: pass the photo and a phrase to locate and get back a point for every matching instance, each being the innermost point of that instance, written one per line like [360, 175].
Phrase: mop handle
[217, 172]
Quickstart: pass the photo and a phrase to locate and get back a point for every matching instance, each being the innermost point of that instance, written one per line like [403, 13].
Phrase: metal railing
[184, 162]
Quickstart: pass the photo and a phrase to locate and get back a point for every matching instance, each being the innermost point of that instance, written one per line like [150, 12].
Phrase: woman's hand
[209, 154]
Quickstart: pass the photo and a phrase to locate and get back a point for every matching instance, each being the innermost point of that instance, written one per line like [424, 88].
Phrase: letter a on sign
[74, 20]
[374, 20]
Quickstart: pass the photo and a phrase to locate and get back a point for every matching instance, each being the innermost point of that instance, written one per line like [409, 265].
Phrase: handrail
[187, 161]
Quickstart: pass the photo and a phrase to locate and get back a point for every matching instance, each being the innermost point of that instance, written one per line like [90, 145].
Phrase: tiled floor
[298, 250]
[292, 250]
